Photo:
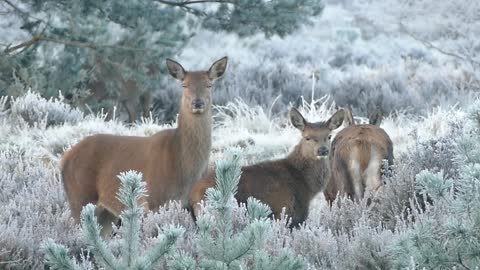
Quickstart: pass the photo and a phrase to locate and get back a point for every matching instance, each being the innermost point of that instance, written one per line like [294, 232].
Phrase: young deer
[290, 182]
[356, 159]
[171, 160]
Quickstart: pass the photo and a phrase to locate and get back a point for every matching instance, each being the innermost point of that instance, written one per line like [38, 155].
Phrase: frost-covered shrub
[132, 189]
[221, 242]
[32, 207]
[446, 234]
[32, 108]
[274, 86]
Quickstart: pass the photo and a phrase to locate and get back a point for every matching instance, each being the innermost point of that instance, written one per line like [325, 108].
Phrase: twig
[185, 3]
[25, 44]
[461, 262]
[17, 9]
[93, 46]
[23, 13]
[10, 262]
[430, 45]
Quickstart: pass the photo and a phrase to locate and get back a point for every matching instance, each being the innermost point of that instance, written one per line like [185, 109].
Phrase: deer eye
[329, 137]
[307, 138]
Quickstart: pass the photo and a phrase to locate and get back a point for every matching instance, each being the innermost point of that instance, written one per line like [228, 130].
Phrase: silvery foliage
[33, 109]
[424, 218]
[224, 244]
[32, 208]
[98, 45]
[446, 234]
[131, 191]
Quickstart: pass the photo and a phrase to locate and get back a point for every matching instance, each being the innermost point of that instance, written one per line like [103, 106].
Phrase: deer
[356, 159]
[171, 161]
[290, 182]
[109, 84]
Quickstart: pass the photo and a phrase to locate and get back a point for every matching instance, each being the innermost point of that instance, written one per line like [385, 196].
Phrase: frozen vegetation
[416, 61]
[430, 201]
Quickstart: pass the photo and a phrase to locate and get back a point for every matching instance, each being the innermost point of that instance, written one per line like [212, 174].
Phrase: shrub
[132, 189]
[32, 109]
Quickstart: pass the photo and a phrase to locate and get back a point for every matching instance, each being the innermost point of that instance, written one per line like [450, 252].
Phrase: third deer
[356, 159]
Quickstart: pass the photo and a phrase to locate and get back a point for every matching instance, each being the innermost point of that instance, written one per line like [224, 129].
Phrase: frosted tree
[131, 190]
[109, 46]
[447, 235]
[223, 246]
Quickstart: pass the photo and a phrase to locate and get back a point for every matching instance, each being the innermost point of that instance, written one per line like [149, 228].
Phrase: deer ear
[175, 69]
[336, 120]
[218, 68]
[297, 119]
[375, 118]
[348, 117]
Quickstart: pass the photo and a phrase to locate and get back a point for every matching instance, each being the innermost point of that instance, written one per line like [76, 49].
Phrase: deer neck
[314, 173]
[194, 140]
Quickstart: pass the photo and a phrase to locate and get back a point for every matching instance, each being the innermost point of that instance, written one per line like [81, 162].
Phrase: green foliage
[447, 234]
[99, 45]
[131, 191]
[433, 184]
[220, 244]
[278, 17]
[57, 256]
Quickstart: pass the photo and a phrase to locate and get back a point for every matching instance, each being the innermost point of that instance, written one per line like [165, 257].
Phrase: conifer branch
[69, 43]
[185, 3]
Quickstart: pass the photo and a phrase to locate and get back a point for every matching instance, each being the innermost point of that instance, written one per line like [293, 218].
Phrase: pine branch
[460, 261]
[69, 43]
[185, 3]
[95, 242]
[162, 247]
[131, 190]
[24, 14]
[57, 256]
[17, 9]
[25, 44]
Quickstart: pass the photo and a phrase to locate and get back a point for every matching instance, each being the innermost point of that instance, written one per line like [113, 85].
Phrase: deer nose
[198, 104]
[322, 151]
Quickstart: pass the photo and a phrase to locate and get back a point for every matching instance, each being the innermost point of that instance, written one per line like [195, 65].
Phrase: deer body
[356, 160]
[291, 182]
[171, 160]
[111, 85]
[129, 95]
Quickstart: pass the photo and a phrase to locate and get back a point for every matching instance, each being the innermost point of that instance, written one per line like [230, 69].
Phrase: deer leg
[146, 101]
[130, 107]
[356, 177]
[372, 174]
[105, 218]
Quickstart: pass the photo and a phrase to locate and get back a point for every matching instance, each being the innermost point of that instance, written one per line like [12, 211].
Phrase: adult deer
[290, 182]
[356, 159]
[171, 160]
[111, 85]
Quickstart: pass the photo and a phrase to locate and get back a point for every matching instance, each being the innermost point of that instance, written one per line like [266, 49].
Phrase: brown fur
[171, 160]
[290, 182]
[356, 159]
[127, 91]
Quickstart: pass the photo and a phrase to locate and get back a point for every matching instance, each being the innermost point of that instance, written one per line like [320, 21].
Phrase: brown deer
[356, 159]
[110, 85]
[171, 160]
[290, 182]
